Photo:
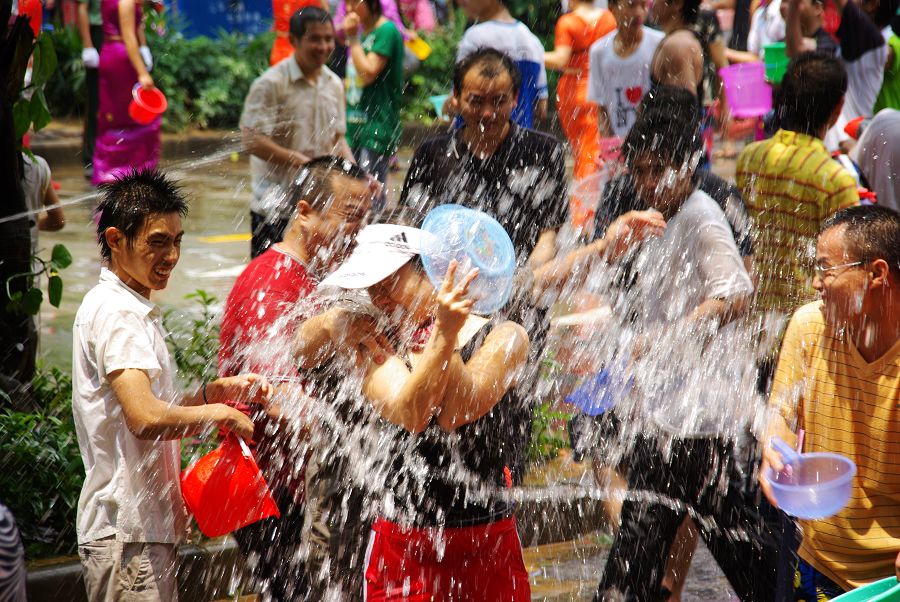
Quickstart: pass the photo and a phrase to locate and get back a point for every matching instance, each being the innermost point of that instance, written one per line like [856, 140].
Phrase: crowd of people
[391, 421]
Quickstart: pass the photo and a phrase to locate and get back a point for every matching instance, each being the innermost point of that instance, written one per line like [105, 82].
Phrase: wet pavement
[214, 250]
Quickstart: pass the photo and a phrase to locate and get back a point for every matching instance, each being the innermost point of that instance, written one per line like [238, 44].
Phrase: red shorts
[475, 563]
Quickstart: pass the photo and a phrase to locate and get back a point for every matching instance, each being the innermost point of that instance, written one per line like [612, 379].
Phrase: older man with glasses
[838, 381]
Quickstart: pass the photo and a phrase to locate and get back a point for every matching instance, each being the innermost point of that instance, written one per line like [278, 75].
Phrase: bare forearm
[570, 269]
[134, 54]
[544, 251]
[362, 62]
[793, 37]
[260, 145]
[720, 311]
[558, 58]
[84, 26]
[777, 426]
[165, 422]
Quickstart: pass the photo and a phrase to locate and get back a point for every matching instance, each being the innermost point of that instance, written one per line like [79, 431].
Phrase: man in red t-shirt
[333, 198]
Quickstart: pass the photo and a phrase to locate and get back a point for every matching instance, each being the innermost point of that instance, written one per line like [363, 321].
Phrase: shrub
[204, 79]
[42, 469]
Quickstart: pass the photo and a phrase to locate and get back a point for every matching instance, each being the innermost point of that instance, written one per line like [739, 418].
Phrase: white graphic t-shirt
[617, 83]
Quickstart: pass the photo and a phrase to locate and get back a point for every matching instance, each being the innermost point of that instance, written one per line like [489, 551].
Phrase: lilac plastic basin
[816, 487]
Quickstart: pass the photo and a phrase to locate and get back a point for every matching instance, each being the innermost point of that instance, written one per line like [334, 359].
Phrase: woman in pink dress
[123, 144]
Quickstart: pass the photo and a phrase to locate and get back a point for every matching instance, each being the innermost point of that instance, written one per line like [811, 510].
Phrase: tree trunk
[18, 337]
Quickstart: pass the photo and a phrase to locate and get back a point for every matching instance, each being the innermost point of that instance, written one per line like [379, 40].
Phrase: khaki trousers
[117, 571]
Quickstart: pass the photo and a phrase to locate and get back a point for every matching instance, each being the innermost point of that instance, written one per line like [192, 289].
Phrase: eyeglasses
[822, 271]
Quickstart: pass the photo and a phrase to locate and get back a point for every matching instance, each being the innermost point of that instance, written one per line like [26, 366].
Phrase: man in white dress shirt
[128, 416]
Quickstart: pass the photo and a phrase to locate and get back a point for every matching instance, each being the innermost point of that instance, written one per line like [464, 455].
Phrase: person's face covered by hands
[660, 184]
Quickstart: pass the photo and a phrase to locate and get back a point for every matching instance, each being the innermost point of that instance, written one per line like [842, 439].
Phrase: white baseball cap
[381, 250]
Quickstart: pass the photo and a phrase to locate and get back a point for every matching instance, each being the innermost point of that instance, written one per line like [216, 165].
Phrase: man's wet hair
[690, 11]
[301, 20]
[491, 63]
[811, 89]
[667, 127]
[872, 232]
[130, 199]
[315, 184]
[885, 13]
[374, 7]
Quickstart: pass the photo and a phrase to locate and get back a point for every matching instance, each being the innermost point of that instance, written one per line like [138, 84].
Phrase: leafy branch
[29, 301]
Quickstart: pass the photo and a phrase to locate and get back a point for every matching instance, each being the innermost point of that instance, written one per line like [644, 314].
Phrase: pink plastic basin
[746, 89]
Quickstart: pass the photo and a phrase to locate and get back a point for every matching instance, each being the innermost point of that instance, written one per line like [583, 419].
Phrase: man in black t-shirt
[514, 174]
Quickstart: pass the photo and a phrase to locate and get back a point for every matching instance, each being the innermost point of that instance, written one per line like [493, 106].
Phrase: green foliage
[31, 110]
[194, 339]
[65, 91]
[435, 76]
[548, 432]
[42, 469]
[540, 16]
[29, 301]
[204, 79]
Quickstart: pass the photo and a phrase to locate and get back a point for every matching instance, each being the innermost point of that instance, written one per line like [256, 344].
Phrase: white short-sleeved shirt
[617, 83]
[766, 27]
[36, 180]
[298, 114]
[131, 488]
[694, 261]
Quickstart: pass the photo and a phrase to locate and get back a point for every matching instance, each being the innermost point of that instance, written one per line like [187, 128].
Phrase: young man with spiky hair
[128, 416]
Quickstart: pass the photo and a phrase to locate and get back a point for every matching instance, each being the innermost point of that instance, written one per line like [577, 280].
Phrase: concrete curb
[216, 570]
[211, 572]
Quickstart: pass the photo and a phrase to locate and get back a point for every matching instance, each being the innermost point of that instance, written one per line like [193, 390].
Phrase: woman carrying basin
[123, 143]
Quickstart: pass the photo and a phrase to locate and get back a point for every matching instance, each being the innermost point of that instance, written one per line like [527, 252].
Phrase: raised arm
[369, 65]
[477, 385]
[410, 398]
[626, 231]
[794, 42]
[128, 26]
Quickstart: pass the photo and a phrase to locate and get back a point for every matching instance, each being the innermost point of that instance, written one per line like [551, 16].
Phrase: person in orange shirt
[575, 32]
[282, 11]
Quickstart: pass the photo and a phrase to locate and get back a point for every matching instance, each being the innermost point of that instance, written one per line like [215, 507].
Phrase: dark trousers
[265, 233]
[272, 548]
[755, 546]
[91, 102]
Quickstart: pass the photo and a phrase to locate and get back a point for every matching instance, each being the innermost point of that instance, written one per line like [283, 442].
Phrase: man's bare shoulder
[682, 40]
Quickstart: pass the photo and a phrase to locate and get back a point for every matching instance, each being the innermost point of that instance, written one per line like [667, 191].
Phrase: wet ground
[215, 249]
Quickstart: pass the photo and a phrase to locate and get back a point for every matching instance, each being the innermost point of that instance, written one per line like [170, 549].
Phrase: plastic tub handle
[788, 454]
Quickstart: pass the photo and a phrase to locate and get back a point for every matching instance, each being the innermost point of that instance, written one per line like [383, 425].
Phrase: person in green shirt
[374, 85]
[889, 96]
